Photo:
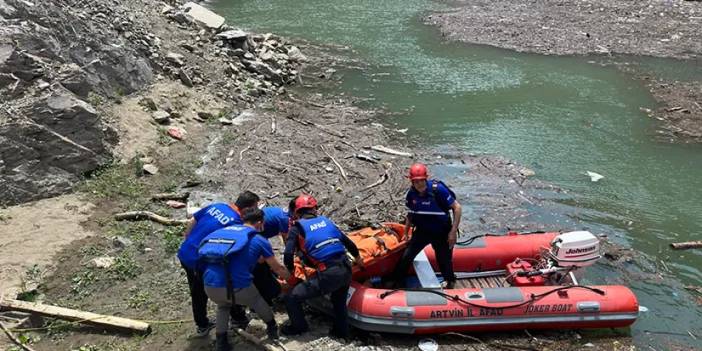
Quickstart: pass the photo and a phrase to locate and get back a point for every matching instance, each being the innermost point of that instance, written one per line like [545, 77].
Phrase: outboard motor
[574, 250]
[568, 252]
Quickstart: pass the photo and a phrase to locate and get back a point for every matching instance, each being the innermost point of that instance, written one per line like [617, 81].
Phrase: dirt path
[32, 234]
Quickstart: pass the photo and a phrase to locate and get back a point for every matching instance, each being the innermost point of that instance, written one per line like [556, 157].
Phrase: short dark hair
[252, 215]
[247, 199]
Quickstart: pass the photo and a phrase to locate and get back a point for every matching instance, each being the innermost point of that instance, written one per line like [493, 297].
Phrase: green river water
[561, 116]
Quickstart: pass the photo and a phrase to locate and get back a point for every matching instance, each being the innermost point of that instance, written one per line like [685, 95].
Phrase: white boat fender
[428, 345]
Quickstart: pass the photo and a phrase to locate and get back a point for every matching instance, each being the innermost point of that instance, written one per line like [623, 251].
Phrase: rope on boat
[533, 298]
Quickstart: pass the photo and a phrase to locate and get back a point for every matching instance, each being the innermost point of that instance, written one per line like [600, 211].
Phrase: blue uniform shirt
[425, 210]
[276, 221]
[207, 220]
[241, 265]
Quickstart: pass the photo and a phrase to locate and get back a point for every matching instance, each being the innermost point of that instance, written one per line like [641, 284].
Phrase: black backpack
[431, 189]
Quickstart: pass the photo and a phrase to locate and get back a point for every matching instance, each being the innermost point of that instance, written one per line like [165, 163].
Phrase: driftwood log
[687, 245]
[144, 215]
[383, 178]
[254, 340]
[338, 165]
[90, 318]
[365, 158]
[387, 150]
[170, 196]
[320, 127]
[14, 338]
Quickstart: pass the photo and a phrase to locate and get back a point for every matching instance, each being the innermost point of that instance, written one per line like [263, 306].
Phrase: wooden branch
[383, 178]
[14, 338]
[306, 102]
[320, 127]
[241, 153]
[366, 158]
[144, 215]
[254, 340]
[170, 196]
[76, 315]
[341, 169]
[387, 150]
[298, 188]
[687, 245]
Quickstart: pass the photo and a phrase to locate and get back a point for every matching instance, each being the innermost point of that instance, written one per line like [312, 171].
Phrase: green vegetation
[95, 99]
[5, 217]
[163, 137]
[114, 181]
[125, 267]
[137, 232]
[81, 282]
[138, 298]
[172, 237]
[228, 137]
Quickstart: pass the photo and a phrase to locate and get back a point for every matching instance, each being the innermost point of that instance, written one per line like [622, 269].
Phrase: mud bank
[651, 28]
[596, 27]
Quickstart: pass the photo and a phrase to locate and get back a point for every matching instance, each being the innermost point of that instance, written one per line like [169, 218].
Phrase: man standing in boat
[429, 202]
[323, 246]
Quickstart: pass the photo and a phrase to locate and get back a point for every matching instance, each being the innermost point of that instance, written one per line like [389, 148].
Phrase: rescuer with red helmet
[323, 246]
[430, 204]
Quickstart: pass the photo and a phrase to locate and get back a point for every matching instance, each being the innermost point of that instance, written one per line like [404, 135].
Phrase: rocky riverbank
[64, 66]
[660, 28]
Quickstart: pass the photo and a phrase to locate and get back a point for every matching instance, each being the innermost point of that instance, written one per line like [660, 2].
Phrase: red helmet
[305, 201]
[418, 171]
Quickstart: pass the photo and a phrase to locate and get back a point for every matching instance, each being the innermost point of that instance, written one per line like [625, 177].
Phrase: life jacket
[320, 241]
[220, 246]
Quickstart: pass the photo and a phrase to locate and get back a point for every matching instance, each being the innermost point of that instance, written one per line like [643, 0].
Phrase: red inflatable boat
[512, 281]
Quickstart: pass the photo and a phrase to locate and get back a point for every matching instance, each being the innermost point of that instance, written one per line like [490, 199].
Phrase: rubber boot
[222, 343]
[272, 330]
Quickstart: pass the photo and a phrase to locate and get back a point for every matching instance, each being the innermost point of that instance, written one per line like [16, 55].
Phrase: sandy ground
[34, 232]
[138, 131]
[31, 235]
[661, 28]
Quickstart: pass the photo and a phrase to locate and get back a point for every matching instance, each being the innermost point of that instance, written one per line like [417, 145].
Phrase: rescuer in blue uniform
[228, 257]
[323, 246]
[205, 221]
[276, 223]
[429, 202]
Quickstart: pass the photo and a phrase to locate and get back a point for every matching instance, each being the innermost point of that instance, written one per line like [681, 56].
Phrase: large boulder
[255, 66]
[203, 16]
[47, 147]
[23, 65]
